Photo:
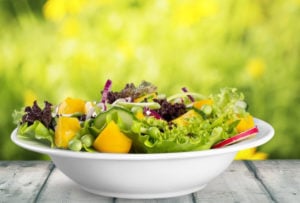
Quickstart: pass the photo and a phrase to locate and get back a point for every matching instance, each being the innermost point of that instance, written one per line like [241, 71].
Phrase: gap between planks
[51, 168]
[253, 169]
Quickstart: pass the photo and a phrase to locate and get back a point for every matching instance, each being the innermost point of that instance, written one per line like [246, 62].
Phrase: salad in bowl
[139, 119]
[138, 143]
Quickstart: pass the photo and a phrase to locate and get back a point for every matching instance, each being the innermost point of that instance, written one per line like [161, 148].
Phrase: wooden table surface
[243, 181]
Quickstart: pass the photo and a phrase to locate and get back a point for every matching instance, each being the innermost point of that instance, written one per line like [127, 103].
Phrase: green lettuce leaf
[37, 131]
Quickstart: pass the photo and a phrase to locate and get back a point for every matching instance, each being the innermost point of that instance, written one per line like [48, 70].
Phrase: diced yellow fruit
[183, 119]
[70, 105]
[66, 129]
[112, 140]
[200, 103]
[245, 124]
[139, 115]
[151, 95]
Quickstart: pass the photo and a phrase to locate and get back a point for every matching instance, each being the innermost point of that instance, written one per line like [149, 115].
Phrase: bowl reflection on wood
[145, 176]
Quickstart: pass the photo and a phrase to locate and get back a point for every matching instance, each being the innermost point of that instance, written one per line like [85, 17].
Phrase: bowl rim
[266, 133]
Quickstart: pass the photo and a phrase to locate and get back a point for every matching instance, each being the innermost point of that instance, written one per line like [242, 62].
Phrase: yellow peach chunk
[245, 124]
[112, 140]
[66, 129]
[200, 103]
[71, 105]
[183, 119]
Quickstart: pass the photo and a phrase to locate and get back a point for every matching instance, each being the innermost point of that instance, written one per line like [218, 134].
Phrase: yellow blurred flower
[103, 2]
[190, 12]
[29, 97]
[256, 67]
[56, 10]
[296, 2]
[70, 27]
[125, 49]
[84, 59]
[250, 154]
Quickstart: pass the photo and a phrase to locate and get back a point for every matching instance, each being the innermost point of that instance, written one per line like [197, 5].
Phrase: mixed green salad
[139, 119]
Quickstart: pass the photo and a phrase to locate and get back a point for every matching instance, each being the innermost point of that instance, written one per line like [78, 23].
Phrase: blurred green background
[51, 49]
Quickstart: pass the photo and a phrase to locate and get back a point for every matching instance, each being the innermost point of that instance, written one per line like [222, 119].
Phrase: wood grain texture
[66, 190]
[243, 181]
[280, 177]
[21, 181]
[59, 188]
[181, 199]
[236, 184]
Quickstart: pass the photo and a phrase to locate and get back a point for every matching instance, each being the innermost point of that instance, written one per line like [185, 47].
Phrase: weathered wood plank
[59, 188]
[66, 190]
[236, 184]
[259, 181]
[181, 199]
[21, 181]
[280, 177]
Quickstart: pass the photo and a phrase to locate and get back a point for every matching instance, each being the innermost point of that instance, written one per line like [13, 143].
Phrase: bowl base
[145, 195]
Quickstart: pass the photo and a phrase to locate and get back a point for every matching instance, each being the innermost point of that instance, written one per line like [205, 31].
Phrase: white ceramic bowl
[146, 175]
